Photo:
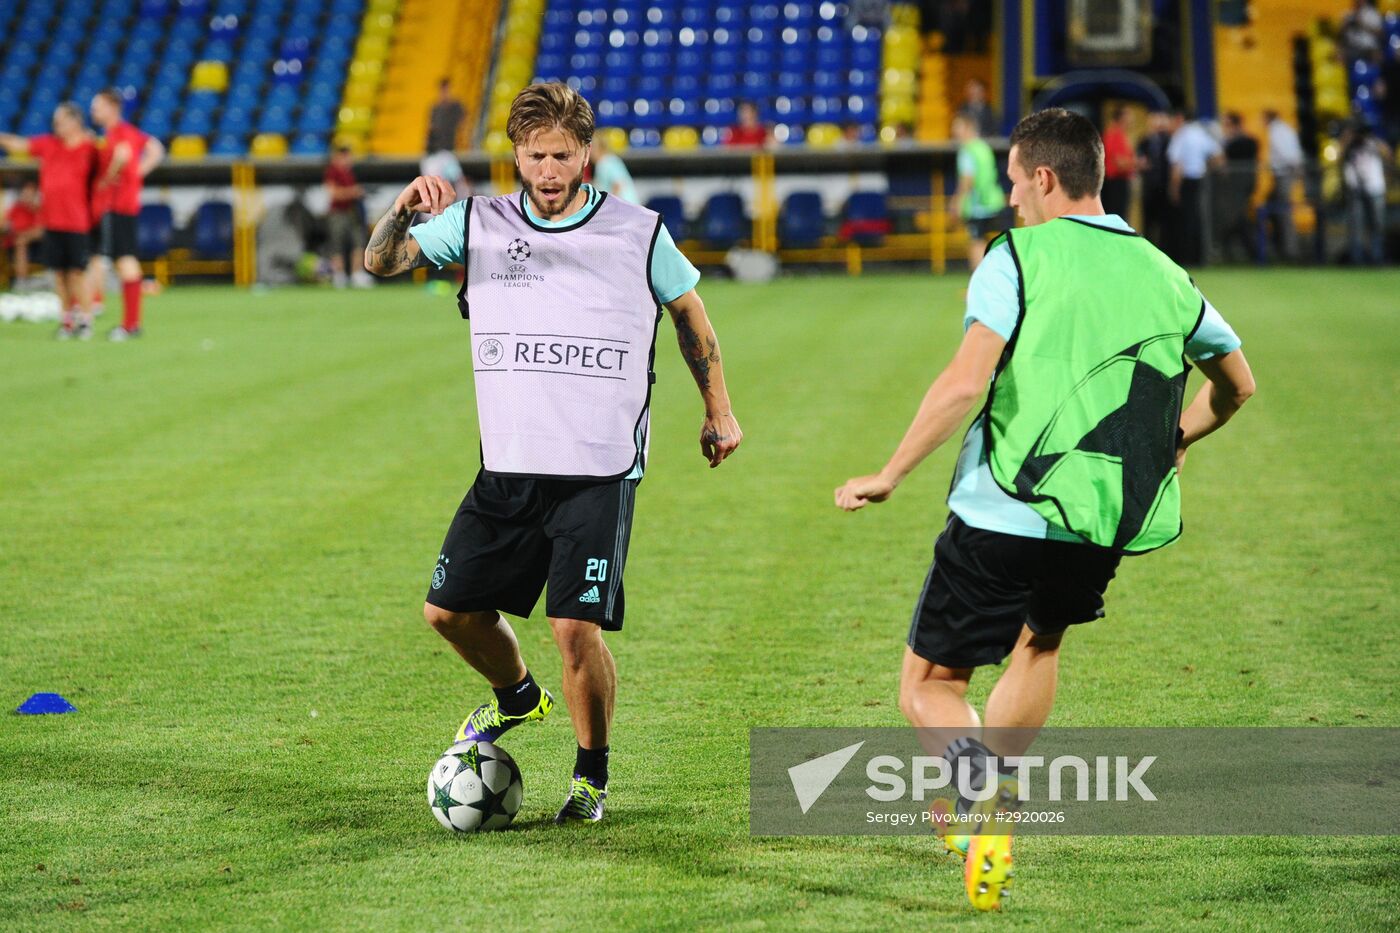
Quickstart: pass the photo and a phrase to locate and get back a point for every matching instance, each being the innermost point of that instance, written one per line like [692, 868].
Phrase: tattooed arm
[391, 250]
[720, 434]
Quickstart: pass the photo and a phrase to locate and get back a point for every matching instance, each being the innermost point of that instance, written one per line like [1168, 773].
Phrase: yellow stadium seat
[268, 146]
[614, 137]
[518, 48]
[377, 24]
[498, 143]
[359, 93]
[533, 6]
[188, 147]
[372, 47]
[366, 68]
[383, 6]
[898, 110]
[355, 119]
[209, 76]
[823, 135]
[899, 81]
[680, 137]
[355, 142]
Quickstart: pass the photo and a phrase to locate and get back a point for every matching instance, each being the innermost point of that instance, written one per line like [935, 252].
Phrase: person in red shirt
[67, 160]
[345, 225]
[22, 227]
[749, 131]
[1119, 165]
[126, 158]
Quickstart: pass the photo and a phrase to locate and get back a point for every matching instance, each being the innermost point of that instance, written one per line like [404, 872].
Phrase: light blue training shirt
[994, 301]
[440, 239]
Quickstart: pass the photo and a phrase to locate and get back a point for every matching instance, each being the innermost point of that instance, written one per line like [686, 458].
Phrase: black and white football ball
[475, 787]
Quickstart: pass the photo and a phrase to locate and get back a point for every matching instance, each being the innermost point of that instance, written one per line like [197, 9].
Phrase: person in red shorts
[67, 160]
[22, 227]
[126, 158]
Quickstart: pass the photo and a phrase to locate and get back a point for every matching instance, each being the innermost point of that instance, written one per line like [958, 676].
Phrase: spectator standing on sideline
[1363, 177]
[1156, 177]
[1236, 191]
[748, 130]
[444, 124]
[976, 108]
[1286, 166]
[1191, 153]
[67, 160]
[22, 227]
[345, 226]
[979, 200]
[610, 172]
[1119, 166]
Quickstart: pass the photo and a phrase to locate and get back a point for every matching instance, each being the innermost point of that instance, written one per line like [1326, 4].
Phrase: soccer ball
[518, 250]
[475, 787]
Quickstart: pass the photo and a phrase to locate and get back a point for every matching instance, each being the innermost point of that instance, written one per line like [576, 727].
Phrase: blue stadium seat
[157, 123]
[212, 227]
[155, 229]
[672, 213]
[309, 144]
[316, 120]
[196, 123]
[154, 9]
[275, 120]
[194, 9]
[867, 207]
[283, 96]
[236, 121]
[36, 122]
[801, 223]
[722, 223]
[228, 144]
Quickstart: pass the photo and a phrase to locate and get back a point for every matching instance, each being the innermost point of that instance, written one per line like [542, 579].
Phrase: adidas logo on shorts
[591, 596]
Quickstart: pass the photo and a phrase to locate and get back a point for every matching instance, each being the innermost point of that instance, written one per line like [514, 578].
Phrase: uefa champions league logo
[518, 250]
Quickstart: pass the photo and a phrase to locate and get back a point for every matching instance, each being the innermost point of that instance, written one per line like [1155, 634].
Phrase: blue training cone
[41, 703]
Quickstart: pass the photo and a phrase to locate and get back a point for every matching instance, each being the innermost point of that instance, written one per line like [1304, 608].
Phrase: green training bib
[1081, 419]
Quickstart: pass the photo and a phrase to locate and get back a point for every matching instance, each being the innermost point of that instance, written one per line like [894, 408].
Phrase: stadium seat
[269, 146]
[155, 229]
[681, 138]
[188, 147]
[722, 223]
[228, 144]
[672, 213]
[801, 223]
[209, 76]
[212, 229]
[309, 144]
[867, 218]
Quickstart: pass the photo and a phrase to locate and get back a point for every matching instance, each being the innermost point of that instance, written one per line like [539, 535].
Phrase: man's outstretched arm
[391, 250]
[945, 405]
[720, 434]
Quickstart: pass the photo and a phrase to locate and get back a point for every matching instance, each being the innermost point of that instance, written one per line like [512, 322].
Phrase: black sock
[592, 763]
[976, 755]
[519, 699]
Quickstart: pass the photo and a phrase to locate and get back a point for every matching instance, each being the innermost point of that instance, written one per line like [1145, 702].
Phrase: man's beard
[546, 213]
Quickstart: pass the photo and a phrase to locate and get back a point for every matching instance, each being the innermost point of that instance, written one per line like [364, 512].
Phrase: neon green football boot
[487, 723]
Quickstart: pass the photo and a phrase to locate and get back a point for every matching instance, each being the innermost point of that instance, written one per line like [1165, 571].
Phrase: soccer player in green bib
[1077, 332]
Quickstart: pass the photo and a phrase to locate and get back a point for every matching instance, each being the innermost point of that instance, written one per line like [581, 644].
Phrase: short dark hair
[1065, 143]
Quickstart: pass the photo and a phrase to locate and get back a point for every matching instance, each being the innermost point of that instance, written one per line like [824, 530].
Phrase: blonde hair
[542, 107]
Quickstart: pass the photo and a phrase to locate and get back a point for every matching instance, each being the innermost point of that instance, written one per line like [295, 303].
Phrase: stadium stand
[206, 76]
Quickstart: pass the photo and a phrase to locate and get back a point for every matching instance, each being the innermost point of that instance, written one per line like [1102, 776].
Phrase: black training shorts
[118, 235]
[512, 535]
[984, 585]
[66, 251]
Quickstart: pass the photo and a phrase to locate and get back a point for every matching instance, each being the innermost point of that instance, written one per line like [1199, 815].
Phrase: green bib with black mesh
[1081, 419]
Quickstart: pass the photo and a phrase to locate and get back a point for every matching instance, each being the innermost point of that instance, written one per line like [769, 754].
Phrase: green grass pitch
[216, 541]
